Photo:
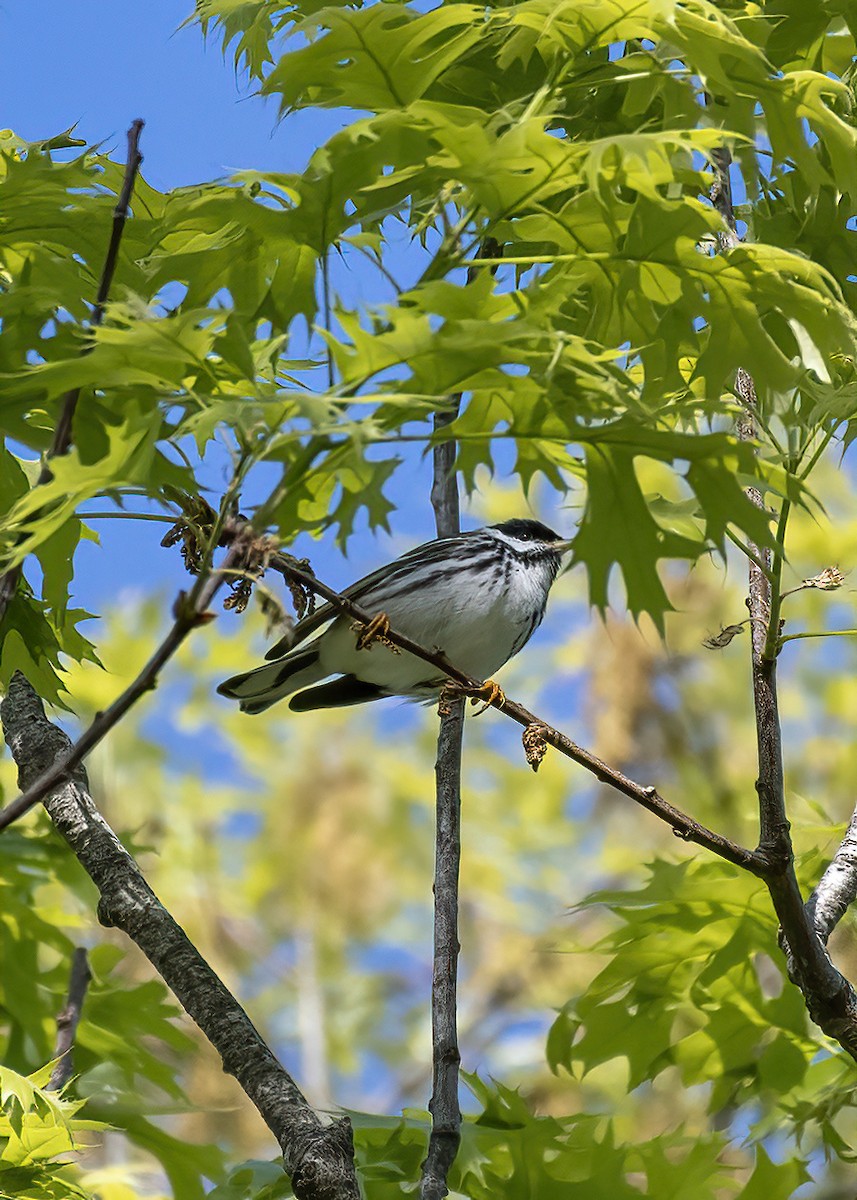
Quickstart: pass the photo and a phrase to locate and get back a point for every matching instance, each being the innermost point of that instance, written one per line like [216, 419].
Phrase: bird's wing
[429, 552]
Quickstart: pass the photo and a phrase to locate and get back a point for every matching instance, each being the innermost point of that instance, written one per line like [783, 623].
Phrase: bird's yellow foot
[375, 631]
[489, 692]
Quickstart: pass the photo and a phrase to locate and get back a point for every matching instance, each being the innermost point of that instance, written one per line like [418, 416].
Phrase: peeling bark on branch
[317, 1156]
[837, 888]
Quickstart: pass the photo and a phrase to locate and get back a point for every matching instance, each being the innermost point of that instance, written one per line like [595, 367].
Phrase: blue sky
[97, 65]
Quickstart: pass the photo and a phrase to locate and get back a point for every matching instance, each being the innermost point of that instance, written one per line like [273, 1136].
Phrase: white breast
[478, 631]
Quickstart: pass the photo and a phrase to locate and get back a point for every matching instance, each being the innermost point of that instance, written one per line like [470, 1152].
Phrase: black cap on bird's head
[523, 529]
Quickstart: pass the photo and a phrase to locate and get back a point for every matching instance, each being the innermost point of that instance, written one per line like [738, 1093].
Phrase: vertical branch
[444, 488]
[446, 1058]
[68, 1019]
[774, 838]
[808, 963]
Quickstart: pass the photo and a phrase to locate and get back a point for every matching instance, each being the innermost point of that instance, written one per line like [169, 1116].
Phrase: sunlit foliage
[558, 154]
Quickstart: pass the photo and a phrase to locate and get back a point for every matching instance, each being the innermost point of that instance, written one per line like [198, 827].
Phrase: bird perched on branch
[477, 596]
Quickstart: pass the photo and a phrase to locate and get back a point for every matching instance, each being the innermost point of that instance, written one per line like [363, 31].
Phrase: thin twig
[62, 433]
[648, 797]
[10, 579]
[317, 1156]
[190, 610]
[68, 1019]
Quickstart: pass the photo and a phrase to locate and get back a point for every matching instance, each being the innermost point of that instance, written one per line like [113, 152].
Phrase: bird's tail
[263, 686]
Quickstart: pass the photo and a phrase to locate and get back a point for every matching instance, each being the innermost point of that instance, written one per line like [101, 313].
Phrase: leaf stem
[120, 515]
[821, 633]
[817, 453]
[751, 554]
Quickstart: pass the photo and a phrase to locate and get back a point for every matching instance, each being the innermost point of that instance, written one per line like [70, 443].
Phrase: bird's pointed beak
[562, 546]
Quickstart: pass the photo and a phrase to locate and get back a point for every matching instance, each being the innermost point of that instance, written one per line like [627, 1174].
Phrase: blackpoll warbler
[478, 596]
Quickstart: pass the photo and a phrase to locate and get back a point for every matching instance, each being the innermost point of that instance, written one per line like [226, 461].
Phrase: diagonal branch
[647, 797]
[317, 1156]
[10, 579]
[62, 433]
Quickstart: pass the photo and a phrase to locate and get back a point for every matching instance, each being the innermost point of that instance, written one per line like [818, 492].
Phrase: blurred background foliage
[297, 853]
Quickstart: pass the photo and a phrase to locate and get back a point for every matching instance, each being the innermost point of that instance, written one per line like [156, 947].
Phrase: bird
[477, 596]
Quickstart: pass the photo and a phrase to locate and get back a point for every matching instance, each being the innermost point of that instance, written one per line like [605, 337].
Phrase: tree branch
[829, 997]
[317, 1157]
[445, 1135]
[446, 1057]
[62, 433]
[10, 579]
[68, 1019]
